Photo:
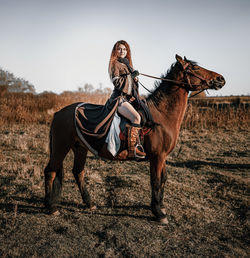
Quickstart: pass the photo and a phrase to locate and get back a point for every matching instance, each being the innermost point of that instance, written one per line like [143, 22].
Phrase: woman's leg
[128, 111]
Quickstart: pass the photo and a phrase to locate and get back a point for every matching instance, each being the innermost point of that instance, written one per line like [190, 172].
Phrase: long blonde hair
[113, 56]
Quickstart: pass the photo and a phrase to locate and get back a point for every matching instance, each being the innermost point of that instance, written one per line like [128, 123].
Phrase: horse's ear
[178, 58]
[185, 59]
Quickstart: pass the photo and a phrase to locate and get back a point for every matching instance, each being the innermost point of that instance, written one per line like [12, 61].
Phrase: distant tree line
[89, 88]
[9, 82]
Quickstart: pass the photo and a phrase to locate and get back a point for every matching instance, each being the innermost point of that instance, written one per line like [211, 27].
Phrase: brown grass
[206, 197]
[26, 108]
[205, 113]
[198, 117]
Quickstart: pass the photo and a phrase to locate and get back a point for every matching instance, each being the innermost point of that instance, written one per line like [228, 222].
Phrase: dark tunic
[93, 121]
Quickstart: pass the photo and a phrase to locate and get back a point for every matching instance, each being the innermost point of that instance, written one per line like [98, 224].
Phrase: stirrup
[140, 148]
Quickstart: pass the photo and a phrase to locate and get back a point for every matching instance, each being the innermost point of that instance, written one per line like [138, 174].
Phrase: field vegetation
[206, 113]
[206, 195]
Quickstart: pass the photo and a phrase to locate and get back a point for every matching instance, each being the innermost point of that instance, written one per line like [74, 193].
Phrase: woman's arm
[119, 80]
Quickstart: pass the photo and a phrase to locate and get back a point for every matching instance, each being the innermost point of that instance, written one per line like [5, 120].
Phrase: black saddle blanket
[93, 122]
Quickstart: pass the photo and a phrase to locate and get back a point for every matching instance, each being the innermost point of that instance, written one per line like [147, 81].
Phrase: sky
[60, 45]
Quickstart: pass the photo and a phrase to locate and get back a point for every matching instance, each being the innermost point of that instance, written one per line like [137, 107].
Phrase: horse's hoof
[164, 211]
[55, 213]
[163, 221]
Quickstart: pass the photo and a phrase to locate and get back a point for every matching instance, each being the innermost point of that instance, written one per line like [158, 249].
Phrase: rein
[186, 73]
[159, 79]
[145, 88]
[163, 79]
[152, 91]
[197, 93]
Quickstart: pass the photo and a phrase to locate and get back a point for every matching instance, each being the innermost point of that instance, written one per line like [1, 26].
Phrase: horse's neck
[178, 107]
[172, 107]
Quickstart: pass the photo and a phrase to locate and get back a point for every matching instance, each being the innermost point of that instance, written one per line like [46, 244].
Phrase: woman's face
[121, 51]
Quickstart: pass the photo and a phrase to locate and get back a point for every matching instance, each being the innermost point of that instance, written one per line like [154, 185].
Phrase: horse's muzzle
[217, 83]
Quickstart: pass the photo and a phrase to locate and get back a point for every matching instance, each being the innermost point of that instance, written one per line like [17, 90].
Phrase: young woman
[124, 78]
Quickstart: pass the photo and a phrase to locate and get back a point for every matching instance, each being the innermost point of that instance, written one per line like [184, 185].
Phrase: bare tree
[14, 84]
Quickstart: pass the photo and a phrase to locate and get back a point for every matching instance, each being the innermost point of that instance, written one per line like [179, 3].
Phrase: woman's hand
[134, 74]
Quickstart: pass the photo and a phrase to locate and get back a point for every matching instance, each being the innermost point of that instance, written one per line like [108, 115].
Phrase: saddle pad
[93, 123]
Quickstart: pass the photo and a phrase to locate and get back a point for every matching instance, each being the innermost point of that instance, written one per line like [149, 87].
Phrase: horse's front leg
[158, 179]
[162, 186]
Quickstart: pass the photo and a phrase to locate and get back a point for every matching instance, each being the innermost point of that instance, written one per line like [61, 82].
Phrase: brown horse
[167, 104]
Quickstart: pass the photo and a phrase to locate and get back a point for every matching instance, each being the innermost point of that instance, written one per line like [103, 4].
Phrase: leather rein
[186, 73]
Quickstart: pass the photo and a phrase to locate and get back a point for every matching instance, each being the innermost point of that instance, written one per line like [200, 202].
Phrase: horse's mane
[163, 88]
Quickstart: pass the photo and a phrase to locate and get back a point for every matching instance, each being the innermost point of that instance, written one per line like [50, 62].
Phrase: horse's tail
[50, 140]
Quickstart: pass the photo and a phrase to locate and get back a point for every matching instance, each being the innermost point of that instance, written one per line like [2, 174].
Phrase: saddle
[118, 133]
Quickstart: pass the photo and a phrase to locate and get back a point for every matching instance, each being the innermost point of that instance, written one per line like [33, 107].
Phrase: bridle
[187, 72]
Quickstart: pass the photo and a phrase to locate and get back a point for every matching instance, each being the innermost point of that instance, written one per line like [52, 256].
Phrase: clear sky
[59, 45]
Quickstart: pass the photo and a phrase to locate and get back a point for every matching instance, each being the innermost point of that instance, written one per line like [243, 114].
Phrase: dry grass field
[206, 194]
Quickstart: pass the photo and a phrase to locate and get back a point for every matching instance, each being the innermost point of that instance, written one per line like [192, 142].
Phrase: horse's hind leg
[53, 188]
[80, 154]
[53, 179]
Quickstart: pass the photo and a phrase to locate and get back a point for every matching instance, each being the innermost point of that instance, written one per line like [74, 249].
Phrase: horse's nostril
[220, 79]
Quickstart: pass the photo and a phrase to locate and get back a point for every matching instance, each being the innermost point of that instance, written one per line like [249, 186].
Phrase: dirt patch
[206, 197]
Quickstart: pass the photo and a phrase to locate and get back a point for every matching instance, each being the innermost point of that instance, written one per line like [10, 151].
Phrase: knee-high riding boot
[133, 141]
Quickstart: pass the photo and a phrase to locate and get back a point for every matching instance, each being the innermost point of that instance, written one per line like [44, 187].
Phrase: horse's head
[196, 77]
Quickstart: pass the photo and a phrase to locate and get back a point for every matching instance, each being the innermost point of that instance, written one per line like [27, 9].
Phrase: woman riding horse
[94, 121]
[124, 79]
[167, 104]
